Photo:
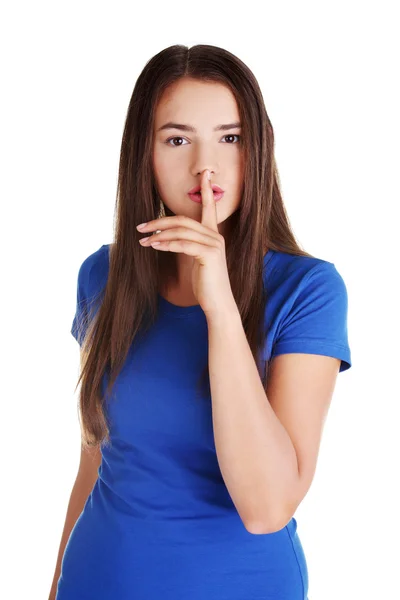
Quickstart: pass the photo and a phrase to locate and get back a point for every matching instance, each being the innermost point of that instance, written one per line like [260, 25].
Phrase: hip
[108, 557]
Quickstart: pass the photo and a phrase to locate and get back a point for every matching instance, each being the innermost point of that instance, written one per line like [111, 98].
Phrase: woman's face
[180, 156]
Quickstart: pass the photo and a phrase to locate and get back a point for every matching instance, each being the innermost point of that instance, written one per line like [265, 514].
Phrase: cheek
[166, 165]
[161, 170]
[166, 181]
[157, 161]
[240, 161]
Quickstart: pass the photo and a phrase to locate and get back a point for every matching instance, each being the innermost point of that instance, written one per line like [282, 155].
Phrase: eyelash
[178, 137]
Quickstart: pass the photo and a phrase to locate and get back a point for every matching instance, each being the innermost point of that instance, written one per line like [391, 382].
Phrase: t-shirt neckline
[194, 309]
[174, 309]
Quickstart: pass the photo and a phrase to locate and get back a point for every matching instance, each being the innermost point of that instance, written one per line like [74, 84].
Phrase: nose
[212, 172]
[203, 159]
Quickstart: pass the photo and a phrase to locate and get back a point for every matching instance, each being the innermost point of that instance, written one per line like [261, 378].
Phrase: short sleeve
[316, 322]
[91, 285]
[79, 323]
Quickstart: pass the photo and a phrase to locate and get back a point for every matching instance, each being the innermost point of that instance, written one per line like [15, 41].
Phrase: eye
[174, 138]
[230, 135]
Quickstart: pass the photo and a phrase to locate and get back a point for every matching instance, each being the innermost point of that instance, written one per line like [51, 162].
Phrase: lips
[197, 189]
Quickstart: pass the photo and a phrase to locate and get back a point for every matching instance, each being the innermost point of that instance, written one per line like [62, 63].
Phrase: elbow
[263, 526]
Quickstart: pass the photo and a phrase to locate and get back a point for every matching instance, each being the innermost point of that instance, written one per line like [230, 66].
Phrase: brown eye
[174, 138]
[231, 135]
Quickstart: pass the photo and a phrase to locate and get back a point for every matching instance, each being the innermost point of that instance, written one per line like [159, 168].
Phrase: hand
[210, 278]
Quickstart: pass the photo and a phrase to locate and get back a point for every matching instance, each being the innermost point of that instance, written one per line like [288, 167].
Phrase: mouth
[195, 193]
[214, 186]
[196, 197]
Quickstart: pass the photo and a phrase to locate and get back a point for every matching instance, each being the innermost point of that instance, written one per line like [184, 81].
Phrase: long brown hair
[129, 300]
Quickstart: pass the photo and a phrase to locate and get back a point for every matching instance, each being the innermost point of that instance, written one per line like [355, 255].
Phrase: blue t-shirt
[159, 522]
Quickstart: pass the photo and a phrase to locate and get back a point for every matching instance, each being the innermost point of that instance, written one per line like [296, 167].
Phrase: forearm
[78, 497]
[255, 453]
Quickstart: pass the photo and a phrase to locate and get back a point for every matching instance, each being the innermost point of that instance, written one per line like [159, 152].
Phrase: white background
[329, 76]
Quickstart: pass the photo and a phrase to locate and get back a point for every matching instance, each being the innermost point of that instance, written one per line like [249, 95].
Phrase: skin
[179, 163]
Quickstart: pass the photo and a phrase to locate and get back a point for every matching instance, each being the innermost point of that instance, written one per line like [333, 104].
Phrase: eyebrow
[181, 127]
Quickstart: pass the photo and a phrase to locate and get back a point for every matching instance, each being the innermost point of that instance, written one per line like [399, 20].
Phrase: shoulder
[307, 306]
[292, 274]
[93, 271]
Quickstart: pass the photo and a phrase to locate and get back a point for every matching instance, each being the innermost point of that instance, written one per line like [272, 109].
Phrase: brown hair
[129, 300]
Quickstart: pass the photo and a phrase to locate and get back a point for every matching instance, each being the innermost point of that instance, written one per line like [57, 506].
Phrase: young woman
[209, 360]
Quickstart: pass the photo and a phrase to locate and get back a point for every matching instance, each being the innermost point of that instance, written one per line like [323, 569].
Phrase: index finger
[209, 208]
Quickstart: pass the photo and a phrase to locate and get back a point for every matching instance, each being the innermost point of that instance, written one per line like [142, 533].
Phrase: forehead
[197, 103]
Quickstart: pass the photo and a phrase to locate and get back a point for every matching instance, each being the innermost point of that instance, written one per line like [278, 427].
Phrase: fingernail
[141, 226]
[208, 174]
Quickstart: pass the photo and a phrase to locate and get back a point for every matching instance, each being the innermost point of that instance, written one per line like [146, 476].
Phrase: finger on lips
[165, 221]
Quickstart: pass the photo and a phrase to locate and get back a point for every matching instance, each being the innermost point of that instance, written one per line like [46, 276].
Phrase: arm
[85, 480]
[259, 459]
